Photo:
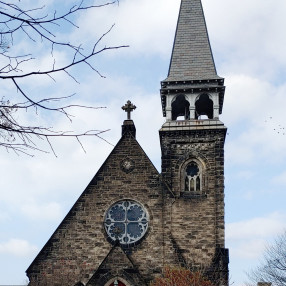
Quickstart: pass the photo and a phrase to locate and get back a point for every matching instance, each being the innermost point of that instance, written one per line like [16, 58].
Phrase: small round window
[126, 221]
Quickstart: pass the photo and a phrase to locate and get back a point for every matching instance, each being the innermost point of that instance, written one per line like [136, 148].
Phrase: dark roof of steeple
[192, 57]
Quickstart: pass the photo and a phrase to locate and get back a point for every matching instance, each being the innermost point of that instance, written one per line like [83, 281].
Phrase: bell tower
[192, 144]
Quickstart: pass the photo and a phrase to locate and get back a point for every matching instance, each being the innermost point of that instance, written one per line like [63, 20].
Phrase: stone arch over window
[118, 281]
[193, 177]
[204, 106]
[116, 275]
[180, 107]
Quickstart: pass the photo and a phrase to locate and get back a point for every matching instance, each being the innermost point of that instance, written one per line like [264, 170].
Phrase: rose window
[126, 221]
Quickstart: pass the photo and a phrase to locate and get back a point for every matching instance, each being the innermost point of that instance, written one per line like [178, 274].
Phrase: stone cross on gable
[128, 107]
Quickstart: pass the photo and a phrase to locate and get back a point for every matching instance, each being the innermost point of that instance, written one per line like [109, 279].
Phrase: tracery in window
[193, 178]
[126, 221]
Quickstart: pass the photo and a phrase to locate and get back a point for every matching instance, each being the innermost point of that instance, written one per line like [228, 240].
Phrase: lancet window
[193, 178]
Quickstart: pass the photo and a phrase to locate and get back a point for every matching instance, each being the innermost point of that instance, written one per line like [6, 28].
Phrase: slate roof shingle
[192, 57]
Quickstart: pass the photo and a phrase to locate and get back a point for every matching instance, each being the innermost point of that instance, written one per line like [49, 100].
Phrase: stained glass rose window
[126, 221]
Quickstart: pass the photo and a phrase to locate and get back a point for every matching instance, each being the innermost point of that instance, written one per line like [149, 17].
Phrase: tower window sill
[189, 195]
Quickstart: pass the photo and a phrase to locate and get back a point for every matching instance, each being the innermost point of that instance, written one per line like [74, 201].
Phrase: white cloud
[46, 211]
[247, 239]
[267, 226]
[147, 26]
[246, 97]
[257, 144]
[249, 34]
[250, 249]
[18, 247]
[238, 152]
[254, 111]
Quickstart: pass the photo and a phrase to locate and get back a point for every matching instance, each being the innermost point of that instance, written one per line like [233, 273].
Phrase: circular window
[126, 221]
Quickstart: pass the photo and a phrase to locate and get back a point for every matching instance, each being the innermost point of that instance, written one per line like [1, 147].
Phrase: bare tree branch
[41, 25]
[273, 265]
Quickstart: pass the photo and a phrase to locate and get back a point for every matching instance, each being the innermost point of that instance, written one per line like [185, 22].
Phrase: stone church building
[132, 221]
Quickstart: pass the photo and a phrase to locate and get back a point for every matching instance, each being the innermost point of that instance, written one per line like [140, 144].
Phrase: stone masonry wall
[196, 223]
[183, 230]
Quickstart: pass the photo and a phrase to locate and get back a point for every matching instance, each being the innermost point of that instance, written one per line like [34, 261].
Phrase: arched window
[180, 107]
[193, 178]
[117, 283]
[204, 106]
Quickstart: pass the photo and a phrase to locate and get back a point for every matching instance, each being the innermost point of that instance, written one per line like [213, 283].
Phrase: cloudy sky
[248, 42]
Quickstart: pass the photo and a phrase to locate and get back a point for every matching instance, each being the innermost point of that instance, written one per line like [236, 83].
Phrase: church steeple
[192, 144]
[192, 89]
[191, 37]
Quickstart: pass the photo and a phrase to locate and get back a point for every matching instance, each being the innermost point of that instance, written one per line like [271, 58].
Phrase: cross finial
[128, 107]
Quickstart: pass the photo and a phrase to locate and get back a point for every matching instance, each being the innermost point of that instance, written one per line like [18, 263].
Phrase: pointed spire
[192, 57]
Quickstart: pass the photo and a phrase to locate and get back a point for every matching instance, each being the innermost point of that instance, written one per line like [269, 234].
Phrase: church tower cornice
[192, 87]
